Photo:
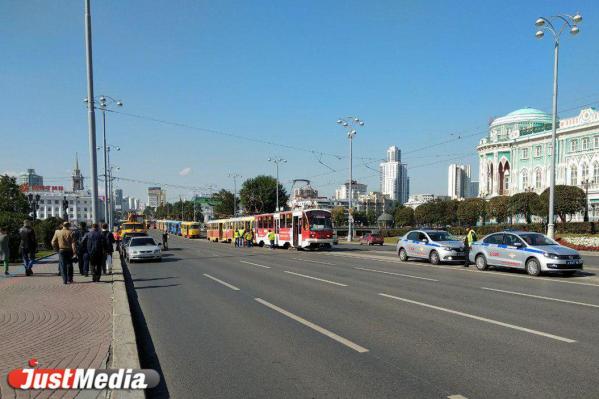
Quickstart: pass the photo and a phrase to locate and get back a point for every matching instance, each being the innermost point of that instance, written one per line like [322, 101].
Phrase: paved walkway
[59, 325]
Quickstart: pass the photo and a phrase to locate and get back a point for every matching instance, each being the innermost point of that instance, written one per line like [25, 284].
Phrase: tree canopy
[180, 210]
[525, 203]
[498, 208]
[471, 210]
[223, 203]
[404, 216]
[258, 195]
[569, 200]
[11, 197]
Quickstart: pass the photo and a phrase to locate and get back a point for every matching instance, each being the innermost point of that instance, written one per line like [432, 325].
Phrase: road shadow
[156, 286]
[135, 280]
[145, 345]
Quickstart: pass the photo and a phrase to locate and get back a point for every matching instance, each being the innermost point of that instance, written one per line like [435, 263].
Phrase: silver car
[143, 248]
[533, 252]
[435, 245]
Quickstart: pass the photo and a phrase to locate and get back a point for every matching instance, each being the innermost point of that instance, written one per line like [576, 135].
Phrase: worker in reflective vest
[242, 237]
[236, 237]
[271, 237]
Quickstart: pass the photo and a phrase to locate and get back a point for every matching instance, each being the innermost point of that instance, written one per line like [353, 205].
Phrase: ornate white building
[516, 155]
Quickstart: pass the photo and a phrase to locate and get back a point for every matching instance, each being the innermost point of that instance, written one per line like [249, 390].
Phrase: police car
[533, 252]
[435, 245]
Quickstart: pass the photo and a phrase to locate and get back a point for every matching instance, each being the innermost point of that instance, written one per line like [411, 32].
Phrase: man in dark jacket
[28, 246]
[95, 249]
[82, 250]
[109, 249]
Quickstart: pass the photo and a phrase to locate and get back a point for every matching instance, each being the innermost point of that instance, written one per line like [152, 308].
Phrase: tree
[11, 197]
[498, 208]
[360, 217]
[404, 216]
[149, 212]
[223, 203]
[569, 200]
[338, 216]
[471, 210]
[371, 217]
[44, 230]
[258, 195]
[524, 204]
[437, 213]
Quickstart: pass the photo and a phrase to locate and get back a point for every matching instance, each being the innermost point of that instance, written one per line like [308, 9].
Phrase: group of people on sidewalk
[27, 247]
[87, 248]
[243, 238]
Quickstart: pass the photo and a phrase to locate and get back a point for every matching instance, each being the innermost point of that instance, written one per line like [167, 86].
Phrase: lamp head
[361, 123]
[339, 121]
[577, 18]
[117, 148]
[119, 103]
[102, 98]
[269, 159]
[345, 124]
[574, 30]
[540, 22]
[540, 34]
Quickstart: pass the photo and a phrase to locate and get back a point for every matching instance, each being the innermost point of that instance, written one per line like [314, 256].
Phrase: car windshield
[536, 239]
[139, 242]
[442, 236]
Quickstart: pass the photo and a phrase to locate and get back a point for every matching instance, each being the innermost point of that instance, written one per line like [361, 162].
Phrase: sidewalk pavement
[62, 326]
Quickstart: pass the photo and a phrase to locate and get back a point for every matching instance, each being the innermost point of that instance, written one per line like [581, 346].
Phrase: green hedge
[568, 228]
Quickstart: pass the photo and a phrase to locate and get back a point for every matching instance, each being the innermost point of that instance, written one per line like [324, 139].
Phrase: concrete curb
[124, 344]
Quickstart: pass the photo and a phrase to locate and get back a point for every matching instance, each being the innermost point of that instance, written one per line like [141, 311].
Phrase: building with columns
[516, 155]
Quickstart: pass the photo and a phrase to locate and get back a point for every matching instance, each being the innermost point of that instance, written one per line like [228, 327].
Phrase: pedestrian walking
[64, 242]
[165, 240]
[109, 249]
[58, 228]
[82, 249]
[271, 237]
[95, 250]
[468, 240]
[4, 249]
[28, 246]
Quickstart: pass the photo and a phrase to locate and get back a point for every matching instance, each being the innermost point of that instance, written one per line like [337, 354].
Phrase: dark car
[372, 239]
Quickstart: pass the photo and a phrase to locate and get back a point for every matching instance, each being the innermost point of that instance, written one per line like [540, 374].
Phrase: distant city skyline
[239, 78]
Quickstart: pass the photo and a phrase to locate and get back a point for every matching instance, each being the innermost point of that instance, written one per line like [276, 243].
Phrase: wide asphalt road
[221, 322]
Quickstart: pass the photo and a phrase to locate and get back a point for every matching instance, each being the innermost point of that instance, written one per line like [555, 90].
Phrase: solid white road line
[255, 264]
[222, 282]
[316, 278]
[471, 316]
[314, 261]
[541, 297]
[395, 274]
[313, 326]
[456, 397]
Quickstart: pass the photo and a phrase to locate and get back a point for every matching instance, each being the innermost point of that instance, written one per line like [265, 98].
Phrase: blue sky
[418, 72]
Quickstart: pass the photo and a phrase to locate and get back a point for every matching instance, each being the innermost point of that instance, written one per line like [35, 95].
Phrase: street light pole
[586, 200]
[105, 166]
[545, 24]
[277, 161]
[234, 176]
[91, 116]
[350, 123]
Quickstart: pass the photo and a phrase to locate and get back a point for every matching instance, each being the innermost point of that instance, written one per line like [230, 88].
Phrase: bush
[44, 230]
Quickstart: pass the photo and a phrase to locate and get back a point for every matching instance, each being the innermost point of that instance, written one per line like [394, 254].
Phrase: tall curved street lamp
[350, 123]
[552, 25]
[277, 161]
